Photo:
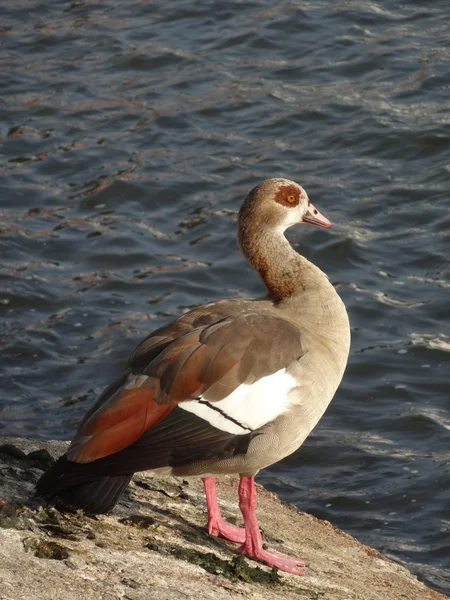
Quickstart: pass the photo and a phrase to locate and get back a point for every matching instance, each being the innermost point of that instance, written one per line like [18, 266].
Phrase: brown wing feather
[208, 352]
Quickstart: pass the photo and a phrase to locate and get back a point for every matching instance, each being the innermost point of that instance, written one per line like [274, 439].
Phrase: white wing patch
[248, 407]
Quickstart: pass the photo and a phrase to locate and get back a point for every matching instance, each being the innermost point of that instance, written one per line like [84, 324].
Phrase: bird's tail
[71, 485]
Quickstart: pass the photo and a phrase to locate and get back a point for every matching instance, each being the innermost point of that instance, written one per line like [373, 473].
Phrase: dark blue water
[132, 131]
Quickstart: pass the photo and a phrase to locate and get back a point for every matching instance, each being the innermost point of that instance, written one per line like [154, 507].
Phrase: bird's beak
[314, 217]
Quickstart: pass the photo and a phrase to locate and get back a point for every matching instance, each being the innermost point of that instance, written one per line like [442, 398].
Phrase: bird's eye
[291, 198]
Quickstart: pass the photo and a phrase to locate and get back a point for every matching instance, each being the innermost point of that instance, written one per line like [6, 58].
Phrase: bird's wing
[221, 366]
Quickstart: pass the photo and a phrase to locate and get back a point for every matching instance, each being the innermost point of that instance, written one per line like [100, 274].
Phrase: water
[131, 133]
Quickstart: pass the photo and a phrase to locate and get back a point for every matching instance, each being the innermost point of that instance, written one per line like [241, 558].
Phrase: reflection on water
[132, 134]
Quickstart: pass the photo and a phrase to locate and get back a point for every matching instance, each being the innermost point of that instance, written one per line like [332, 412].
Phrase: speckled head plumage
[278, 203]
[271, 207]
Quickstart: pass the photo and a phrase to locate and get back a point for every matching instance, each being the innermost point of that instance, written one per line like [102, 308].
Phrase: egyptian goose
[230, 387]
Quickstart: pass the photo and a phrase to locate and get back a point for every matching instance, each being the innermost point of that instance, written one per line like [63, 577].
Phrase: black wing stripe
[224, 414]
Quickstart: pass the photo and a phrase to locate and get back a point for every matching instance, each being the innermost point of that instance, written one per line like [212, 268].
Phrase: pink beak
[314, 217]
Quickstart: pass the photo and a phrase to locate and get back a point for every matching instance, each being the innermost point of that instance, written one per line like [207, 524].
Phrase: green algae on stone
[153, 546]
[12, 516]
[140, 521]
[11, 450]
[236, 568]
[41, 458]
[71, 526]
[45, 549]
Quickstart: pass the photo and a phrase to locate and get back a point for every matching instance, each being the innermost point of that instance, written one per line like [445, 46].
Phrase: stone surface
[154, 545]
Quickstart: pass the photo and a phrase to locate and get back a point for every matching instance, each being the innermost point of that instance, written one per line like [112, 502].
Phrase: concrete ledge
[154, 545]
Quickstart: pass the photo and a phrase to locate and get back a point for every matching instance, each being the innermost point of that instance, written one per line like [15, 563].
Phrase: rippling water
[131, 133]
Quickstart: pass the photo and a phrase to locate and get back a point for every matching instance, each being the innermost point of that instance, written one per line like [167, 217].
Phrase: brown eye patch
[288, 195]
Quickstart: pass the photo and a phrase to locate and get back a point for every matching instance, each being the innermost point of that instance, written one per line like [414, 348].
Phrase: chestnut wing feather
[211, 350]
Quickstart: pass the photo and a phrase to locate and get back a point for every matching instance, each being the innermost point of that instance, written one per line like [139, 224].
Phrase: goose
[230, 387]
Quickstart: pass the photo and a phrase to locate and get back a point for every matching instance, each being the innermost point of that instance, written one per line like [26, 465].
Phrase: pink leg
[217, 526]
[253, 546]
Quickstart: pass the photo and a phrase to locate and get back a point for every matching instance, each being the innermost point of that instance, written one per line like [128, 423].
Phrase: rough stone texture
[154, 545]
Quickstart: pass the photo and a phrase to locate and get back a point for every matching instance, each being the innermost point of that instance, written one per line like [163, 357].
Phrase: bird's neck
[302, 291]
[285, 273]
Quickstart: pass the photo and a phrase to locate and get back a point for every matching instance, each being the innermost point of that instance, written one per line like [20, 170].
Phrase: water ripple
[130, 135]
